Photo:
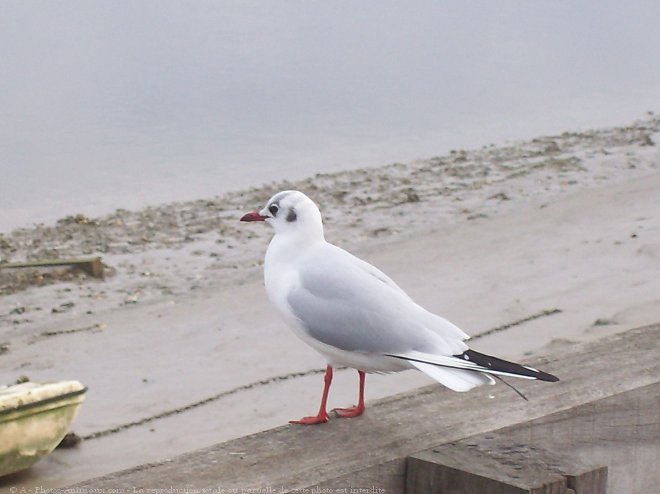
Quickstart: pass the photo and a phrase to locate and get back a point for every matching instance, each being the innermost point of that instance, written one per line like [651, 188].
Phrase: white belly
[367, 362]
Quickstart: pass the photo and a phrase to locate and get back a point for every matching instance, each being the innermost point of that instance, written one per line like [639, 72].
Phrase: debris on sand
[161, 251]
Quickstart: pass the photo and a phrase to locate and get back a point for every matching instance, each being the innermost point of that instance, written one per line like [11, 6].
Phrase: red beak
[253, 216]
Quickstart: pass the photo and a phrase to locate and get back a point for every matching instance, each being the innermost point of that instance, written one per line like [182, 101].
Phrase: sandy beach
[535, 246]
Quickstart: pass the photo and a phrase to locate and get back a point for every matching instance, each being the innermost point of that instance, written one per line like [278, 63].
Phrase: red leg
[355, 411]
[322, 416]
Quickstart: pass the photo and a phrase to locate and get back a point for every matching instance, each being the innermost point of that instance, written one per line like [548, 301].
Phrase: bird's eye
[273, 209]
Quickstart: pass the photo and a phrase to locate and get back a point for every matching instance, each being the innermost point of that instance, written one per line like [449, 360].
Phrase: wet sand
[559, 235]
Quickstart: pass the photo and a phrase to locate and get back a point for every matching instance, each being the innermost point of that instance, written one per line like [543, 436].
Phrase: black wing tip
[499, 364]
[544, 376]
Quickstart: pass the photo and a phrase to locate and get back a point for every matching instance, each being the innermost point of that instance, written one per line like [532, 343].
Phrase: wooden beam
[494, 463]
[90, 265]
[355, 452]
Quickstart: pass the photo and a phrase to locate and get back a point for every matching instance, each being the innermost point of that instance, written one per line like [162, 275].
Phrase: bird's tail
[469, 369]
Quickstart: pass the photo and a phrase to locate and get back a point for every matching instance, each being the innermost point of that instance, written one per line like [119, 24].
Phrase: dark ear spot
[292, 216]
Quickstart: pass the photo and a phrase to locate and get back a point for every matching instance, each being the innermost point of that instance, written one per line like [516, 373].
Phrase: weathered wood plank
[493, 463]
[394, 428]
[621, 431]
[91, 265]
[429, 473]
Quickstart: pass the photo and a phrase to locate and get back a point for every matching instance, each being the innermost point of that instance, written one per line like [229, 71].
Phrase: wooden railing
[598, 424]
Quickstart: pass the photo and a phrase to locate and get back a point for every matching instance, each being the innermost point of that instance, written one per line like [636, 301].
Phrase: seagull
[356, 316]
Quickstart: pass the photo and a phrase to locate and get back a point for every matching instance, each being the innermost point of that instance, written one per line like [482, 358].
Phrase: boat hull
[31, 427]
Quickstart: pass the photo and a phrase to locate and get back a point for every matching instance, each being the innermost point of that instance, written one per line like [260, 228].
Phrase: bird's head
[290, 212]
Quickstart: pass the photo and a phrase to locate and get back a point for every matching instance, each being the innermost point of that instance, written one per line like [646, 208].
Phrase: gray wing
[342, 304]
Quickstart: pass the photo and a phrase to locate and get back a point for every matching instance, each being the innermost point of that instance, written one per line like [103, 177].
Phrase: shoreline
[485, 238]
[205, 234]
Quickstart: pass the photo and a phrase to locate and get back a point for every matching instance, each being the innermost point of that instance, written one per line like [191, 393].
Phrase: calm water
[107, 104]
